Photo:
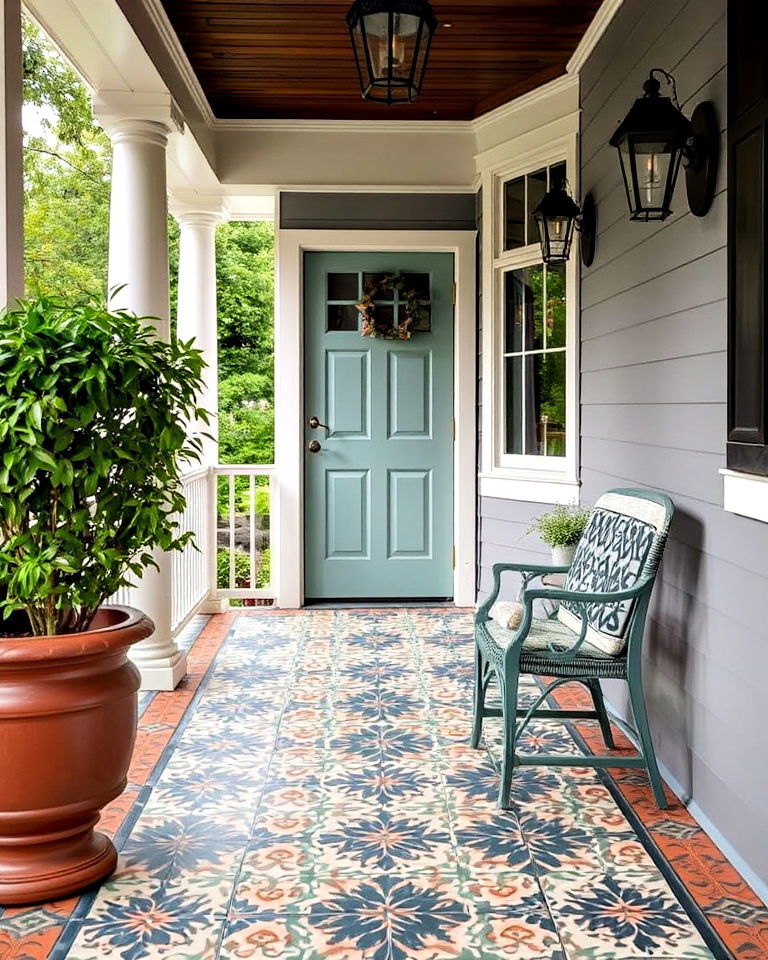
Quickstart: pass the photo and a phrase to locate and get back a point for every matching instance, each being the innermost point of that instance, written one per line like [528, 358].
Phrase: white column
[196, 316]
[11, 181]
[138, 262]
[197, 319]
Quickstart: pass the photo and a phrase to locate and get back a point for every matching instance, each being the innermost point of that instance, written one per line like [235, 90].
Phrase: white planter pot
[562, 556]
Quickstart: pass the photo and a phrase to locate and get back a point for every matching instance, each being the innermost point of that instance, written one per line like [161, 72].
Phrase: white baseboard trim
[759, 885]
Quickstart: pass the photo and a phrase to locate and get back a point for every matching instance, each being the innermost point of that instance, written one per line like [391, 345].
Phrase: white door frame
[288, 517]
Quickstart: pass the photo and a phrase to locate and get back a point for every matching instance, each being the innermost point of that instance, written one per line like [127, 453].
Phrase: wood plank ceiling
[293, 59]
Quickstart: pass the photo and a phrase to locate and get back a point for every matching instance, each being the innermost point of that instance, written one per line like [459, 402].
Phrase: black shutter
[747, 237]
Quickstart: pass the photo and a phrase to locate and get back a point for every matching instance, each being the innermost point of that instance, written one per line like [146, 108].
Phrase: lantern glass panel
[555, 236]
[650, 171]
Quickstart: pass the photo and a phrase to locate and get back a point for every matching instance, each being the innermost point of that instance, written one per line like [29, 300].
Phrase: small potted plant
[561, 528]
[93, 414]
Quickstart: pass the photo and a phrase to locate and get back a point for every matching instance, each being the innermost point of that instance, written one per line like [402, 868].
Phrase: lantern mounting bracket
[587, 227]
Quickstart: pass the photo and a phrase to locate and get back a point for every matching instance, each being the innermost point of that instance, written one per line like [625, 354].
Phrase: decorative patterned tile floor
[309, 792]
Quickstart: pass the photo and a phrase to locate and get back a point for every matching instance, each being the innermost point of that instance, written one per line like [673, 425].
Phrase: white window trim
[745, 494]
[530, 478]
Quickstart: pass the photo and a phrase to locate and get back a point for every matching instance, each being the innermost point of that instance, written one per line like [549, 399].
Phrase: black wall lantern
[391, 40]
[556, 217]
[654, 139]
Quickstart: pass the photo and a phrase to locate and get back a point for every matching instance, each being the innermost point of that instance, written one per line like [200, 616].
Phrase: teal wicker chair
[595, 633]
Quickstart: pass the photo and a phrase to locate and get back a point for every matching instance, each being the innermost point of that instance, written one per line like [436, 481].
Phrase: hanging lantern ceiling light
[556, 217]
[654, 139]
[391, 40]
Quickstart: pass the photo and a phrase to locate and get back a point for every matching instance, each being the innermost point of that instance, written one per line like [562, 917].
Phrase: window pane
[548, 395]
[342, 317]
[537, 187]
[555, 313]
[514, 213]
[513, 393]
[514, 310]
[343, 286]
[524, 314]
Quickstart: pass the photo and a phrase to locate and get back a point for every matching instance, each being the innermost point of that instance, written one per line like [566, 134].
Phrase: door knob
[315, 423]
[314, 446]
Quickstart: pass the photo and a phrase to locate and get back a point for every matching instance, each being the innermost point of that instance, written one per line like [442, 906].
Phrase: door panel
[409, 387]
[348, 515]
[347, 386]
[379, 491]
[409, 506]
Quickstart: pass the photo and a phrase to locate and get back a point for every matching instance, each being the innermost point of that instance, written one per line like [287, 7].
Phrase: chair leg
[508, 685]
[637, 700]
[479, 697]
[605, 724]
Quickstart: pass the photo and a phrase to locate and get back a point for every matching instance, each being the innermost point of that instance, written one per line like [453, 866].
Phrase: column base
[164, 674]
[213, 605]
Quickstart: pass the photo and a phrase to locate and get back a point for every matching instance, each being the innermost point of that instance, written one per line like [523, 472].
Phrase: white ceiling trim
[179, 58]
[606, 12]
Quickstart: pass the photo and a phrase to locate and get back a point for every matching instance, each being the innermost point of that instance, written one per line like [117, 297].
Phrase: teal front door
[379, 484]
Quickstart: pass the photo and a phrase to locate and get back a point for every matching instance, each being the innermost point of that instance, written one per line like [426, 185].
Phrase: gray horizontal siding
[504, 537]
[653, 392]
[377, 211]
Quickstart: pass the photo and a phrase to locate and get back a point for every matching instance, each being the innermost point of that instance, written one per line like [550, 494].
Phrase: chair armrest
[579, 596]
[534, 569]
[538, 568]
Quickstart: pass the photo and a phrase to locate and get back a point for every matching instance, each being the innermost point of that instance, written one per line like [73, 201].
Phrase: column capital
[199, 210]
[138, 117]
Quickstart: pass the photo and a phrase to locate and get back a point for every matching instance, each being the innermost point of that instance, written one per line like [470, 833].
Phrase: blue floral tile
[148, 926]
[177, 846]
[604, 917]
[383, 841]
[392, 782]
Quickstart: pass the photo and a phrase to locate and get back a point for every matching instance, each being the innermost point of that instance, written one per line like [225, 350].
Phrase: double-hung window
[530, 430]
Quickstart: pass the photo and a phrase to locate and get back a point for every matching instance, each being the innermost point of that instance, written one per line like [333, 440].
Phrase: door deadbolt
[314, 446]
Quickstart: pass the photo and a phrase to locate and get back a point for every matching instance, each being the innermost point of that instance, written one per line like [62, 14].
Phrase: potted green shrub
[93, 409]
[561, 528]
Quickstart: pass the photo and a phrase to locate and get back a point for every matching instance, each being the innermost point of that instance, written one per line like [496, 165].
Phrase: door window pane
[418, 283]
[342, 317]
[422, 323]
[371, 282]
[343, 286]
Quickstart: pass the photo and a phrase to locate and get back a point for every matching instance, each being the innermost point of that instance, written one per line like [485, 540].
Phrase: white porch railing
[243, 501]
[190, 581]
[229, 510]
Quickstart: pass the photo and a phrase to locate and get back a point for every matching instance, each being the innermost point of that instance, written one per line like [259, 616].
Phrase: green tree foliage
[67, 162]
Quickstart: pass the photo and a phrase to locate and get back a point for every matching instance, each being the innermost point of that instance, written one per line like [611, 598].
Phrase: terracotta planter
[68, 711]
